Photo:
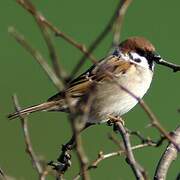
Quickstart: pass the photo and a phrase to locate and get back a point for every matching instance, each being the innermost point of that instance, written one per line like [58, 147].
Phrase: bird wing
[95, 74]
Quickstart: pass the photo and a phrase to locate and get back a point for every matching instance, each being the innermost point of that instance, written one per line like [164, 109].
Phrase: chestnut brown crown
[137, 44]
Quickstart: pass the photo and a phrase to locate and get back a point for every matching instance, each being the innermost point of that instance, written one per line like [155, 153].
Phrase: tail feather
[40, 107]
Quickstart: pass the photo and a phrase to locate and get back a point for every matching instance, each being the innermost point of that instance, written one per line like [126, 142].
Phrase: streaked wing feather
[79, 86]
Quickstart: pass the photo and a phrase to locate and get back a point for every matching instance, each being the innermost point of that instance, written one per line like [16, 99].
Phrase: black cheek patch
[151, 64]
[138, 60]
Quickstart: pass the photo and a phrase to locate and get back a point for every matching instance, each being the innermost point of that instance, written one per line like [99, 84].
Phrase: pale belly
[110, 99]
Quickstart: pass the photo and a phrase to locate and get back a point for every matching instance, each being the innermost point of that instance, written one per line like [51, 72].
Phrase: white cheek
[137, 56]
[144, 61]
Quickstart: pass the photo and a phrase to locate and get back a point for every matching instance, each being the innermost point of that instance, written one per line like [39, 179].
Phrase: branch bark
[168, 157]
[102, 156]
[2, 174]
[119, 21]
[35, 161]
[117, 17]
[37, 56]
[138, 171]
[174, 67]
[28, 6]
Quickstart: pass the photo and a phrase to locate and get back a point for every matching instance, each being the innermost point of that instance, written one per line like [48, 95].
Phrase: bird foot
[113, 119]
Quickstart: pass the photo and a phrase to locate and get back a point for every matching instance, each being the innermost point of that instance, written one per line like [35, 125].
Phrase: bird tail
[47, 106]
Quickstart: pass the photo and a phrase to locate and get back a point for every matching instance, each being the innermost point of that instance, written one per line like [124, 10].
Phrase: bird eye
[138, 60]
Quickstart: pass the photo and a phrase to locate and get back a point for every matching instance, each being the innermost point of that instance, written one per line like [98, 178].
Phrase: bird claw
[112, 122]
[113, 119]
[109, 123]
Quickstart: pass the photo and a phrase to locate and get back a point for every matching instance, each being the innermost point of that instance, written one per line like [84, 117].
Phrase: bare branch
[60, 72]
[35, 161]
[28, 6]
[117, 15]
[148, 139]
[168, 157]
[2, 175]
[119, 21]
[78, 120]
[37, 56]
[102, 156]
[52, 52]
[82, 157]
[155, 123]
[136, 168]
[174, 67]
[77, 117]
[115, 141]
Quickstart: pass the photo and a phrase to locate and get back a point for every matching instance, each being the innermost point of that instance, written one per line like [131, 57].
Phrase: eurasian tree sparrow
[131, 64]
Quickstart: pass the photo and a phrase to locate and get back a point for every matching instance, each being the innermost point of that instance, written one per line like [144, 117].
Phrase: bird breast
[109, 98]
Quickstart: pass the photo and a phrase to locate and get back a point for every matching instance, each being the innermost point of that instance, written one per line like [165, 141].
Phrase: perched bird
[131, 65]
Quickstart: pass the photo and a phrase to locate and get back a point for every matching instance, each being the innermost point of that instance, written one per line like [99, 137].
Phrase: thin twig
[35, 161]
[148, 139]
[102, 156]
[78, 121]
[136, 168]
[119, 21]
[61, 74]
[52, 52]
[82, 157]
[77, 117]
[102, 35]
[117, 18]
[2, 175]
[174, 67]
[115, 141]
[26, 5]
[155, 123]
[37, 56]
[168, 157]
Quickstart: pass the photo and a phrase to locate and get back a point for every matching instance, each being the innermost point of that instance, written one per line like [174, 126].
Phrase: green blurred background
[83, 20]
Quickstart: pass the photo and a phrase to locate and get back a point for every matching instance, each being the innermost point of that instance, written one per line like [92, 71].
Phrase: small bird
[132, 66]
